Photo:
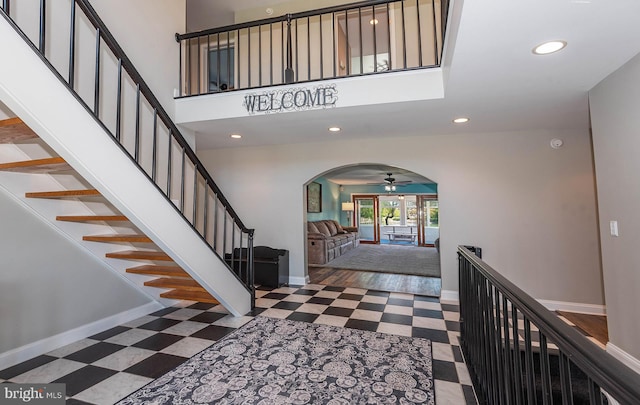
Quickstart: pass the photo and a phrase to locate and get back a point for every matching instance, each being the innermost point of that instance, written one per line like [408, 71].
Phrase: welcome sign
[296, 99]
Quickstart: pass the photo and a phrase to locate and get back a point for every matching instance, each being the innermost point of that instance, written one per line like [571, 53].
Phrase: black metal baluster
[230, 83]
[72, 44]
[288, 72]
[297, 51]
[188, 67]
[388, 25]
[435, 36]
[595, 395]
[218, 62]
[224, 233]
[360, 39]
[194, 217]
[419, 33]
[215, 222]
[308, 49]
[181, 80]
[565, 379]
[260, 55]
[375, 48]
[96, 84]
[199, 72]
[208, 64]
[498, 349]
[119, 101]
[243, 273]
[137, 140]
[154, 145]
[321, 50]
[271, 53]
[404, 36]
[43, 26]
[249, 55]
[528, 360]
[239, 55]
[508, 365]
[169, 152]
[251, 270]
[335, 50]
[517, 372]
[233, 250]
[182, 181]
[346, 32]
[6, 5]
[206, 210]
[545, 372]
[283, 46]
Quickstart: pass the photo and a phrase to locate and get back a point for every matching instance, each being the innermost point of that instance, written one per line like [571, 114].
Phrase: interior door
[428, 220]
[366, 208]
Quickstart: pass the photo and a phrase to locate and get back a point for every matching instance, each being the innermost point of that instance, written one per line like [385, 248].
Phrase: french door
[428, 218]
[366, 213]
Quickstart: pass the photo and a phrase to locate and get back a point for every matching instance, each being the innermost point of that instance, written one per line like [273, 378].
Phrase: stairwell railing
[519, 352]
[112, 90]
[366, 37]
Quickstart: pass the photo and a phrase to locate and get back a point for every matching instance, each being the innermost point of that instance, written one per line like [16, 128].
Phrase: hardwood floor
[376, 281]
[593, 325]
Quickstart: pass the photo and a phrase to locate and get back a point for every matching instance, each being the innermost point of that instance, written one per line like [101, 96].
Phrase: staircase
[178, 225]
[180, 284]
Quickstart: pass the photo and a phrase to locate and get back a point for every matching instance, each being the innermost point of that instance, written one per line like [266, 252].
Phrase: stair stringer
[71, 130]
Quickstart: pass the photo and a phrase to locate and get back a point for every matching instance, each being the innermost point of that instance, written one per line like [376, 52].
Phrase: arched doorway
[393, 213]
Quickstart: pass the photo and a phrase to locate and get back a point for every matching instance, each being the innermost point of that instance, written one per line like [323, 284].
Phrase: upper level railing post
[288, 72]
[5, 6]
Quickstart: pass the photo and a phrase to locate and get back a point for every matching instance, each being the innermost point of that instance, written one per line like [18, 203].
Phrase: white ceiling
[493, 77]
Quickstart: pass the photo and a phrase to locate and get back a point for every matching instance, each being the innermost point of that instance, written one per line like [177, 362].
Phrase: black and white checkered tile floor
[107, 367]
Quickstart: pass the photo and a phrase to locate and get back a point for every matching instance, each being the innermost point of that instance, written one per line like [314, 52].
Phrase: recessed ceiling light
[334, 129]
[461, 120]
[236, 136]
[373, 21]
[549, 47]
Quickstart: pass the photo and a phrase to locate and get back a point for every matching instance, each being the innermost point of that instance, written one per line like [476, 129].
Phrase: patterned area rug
[278, 361]
[414, 260]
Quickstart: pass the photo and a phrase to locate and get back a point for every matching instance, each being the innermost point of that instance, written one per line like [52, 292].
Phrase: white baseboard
[582, 308]
[449, 295]
[31, 350]
[628, 360]
[299, 280]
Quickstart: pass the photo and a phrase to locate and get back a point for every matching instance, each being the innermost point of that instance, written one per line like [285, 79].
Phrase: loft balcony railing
[75, 44]
[357, 39]
[518, 352]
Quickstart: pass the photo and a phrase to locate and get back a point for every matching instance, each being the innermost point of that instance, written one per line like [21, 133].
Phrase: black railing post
[72, 44]
[6, 6]
[251, 269]
[288, 72]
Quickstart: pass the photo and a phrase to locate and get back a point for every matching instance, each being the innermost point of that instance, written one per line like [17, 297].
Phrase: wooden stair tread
[63, 193]
[47, 165]
[190, 296]
[157, 270]
[89, 218]
[185, 284]
[14, 130]
[118, 238]
[140, 255]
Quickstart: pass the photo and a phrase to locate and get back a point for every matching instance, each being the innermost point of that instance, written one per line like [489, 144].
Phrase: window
[221, 68]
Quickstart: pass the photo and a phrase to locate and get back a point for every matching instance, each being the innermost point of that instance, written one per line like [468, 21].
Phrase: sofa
[327, 239]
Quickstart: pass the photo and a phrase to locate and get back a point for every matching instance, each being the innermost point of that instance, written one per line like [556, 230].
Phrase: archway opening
[373, 226]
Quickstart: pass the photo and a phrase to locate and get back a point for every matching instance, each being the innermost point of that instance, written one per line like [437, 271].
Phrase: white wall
[146, 31]
[49, 284]
[530, 207]
[615, 103]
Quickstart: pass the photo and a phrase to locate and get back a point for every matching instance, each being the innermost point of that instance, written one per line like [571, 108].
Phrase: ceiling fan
[390, 183]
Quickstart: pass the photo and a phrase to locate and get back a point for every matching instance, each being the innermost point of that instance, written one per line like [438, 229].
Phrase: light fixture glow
[334, 129]
[236, 136]
[549, 47]
[373, 21]
[460, 120]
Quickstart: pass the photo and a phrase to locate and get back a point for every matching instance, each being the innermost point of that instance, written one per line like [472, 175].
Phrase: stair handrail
[246, 276]
[477, 283]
